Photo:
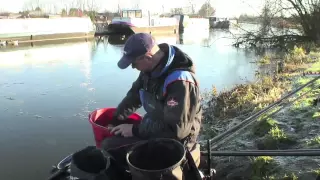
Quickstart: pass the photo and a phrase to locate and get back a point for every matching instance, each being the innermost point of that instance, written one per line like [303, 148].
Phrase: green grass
[292, 176]
[264, 126]
[314, 141]
[305, 104]
[316, 115]
[248, 98]
[265, 60]
[263, 167]
[315, 67]
[317, 172]
[277, 139]
[245, 99]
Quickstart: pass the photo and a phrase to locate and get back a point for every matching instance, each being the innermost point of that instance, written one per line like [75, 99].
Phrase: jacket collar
[171, 55]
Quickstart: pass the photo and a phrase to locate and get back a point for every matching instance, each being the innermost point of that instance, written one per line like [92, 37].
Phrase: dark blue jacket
[170, 96]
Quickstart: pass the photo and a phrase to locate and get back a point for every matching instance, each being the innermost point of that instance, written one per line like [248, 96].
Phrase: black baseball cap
[136, 45]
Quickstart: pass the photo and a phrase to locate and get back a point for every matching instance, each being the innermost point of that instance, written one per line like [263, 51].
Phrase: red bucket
[99, 120]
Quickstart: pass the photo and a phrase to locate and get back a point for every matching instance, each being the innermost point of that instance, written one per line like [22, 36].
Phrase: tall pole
[208, 3]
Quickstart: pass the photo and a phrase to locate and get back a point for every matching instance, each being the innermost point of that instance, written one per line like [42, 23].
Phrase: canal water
[47, 92]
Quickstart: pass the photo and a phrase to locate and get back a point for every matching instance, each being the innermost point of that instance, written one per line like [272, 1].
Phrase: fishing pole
[220, 137]
[247, 124]
[288, 152]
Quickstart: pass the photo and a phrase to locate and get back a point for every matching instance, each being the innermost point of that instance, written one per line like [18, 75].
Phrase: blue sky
[224, 7]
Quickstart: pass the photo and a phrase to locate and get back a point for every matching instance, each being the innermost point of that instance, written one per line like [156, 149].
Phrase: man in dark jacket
[166, 88]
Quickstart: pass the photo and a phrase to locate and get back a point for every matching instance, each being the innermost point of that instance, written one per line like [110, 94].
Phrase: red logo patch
[171, 102]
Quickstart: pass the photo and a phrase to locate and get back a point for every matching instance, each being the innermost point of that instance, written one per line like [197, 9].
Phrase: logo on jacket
[172, 103]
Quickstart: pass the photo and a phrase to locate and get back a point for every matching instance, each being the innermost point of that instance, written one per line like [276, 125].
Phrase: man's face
[143, 63]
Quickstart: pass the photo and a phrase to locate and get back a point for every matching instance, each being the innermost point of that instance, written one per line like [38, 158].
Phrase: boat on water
[136, 21]
[177, 25]
[219, 22]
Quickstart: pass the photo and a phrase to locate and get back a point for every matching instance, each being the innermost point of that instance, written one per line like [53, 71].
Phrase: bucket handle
[191, 167]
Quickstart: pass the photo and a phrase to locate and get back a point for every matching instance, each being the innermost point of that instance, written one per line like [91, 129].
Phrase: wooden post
[149, 18]
[279, 68]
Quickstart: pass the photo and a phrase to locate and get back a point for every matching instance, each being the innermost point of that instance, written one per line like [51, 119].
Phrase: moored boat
[219, 23]
[134, 21]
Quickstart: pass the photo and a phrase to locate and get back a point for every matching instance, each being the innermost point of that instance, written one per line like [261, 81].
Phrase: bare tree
[307, 13]
[66, 7]
[176, 11]
[29, 5]
[206, 9]
[92, 5]
[301, 14]
[64, 12]
[192, 4]
[92, 9]
[81, 4]
[56, 9]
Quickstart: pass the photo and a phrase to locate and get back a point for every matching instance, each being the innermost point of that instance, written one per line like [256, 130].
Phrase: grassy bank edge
[228, 108]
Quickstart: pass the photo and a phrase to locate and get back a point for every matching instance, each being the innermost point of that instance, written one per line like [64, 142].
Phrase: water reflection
[47, 55]
[45, 91]
[213, 54]
[41, 66]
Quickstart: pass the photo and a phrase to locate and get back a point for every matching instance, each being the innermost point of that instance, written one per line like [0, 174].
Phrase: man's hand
[124, 129]
[115, 121]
